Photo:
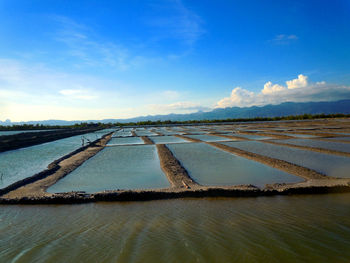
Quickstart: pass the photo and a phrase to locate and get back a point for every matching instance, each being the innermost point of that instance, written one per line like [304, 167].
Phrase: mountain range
[283, 109]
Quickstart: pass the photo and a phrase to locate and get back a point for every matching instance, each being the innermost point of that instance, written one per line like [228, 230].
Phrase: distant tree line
[167, 122]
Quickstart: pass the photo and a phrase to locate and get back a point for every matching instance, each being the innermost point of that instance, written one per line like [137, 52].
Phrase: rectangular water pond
[336, 146]
[209, 138]
[301, 135]
[208, 165]
[167, 139]
[125, 141]
[331, 165]
[339, 139]
[251, 136]
[18, 164]
[124, 167]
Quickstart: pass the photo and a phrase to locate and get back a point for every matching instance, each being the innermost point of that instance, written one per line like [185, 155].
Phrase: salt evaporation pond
[122, 133]
[339, 139]
[331, 165]
[300, 135]
[125, 141]
[209, 138]
[211, 166]
[145, 133]
[336, 146]
[167, 139]
[21, 163]
[251, 136]
[123, 167]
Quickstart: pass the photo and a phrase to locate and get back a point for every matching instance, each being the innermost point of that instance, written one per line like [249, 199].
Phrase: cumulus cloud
[296, 90]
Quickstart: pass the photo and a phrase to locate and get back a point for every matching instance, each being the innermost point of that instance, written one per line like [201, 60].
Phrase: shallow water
[122, 167]
[145, 133]
[336, 146]
[251, 136]
[339, 139]
[124, 141]
[331, 165]
[166, 139]
[301, 135]
[211, 166]
[21, 163]
[265, 229]
[209, 138]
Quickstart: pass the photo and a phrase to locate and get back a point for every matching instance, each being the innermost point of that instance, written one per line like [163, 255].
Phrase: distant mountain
[284, 109]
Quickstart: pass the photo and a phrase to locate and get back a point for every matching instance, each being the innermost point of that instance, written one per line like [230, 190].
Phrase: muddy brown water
[263, 229]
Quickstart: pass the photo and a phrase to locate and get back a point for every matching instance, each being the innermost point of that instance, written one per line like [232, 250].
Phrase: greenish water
[125, 141]
[166, 139]
[119, 167]
[24, 162]
[331, 165]
[336, 146]
[265, 229]
[209, 138]
[211, 166]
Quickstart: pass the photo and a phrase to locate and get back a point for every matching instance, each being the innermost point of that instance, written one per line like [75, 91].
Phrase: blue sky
[80, 60]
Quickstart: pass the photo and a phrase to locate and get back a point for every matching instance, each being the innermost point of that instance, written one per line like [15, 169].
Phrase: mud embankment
[20, 140]
[147, 140]
[177, 175]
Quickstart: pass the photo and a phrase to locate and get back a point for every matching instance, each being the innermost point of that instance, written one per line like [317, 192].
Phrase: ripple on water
[263, 229]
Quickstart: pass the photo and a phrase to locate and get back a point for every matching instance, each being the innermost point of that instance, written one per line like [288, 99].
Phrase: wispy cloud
[79, 94]
[177, 107]
[296, 90]
[284, 39]
[83, 44]
[174, 20]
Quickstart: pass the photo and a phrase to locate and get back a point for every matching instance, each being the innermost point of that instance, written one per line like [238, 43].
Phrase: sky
[99, 59]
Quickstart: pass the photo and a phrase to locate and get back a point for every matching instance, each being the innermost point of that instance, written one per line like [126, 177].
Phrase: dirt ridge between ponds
[147, 140]
[176, 173]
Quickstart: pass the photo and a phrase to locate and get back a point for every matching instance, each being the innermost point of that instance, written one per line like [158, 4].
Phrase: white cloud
[177, 107]
[300, 82]
[269, 88]
[296, 90]
[78, 94]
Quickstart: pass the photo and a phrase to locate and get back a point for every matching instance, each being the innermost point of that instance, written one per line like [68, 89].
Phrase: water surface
[331, 165]
[209, 138]
[336, 146]
[167, 139]
[122, 167]
[24, 162]
[211, 166]
[125, 141]
[288, 229]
